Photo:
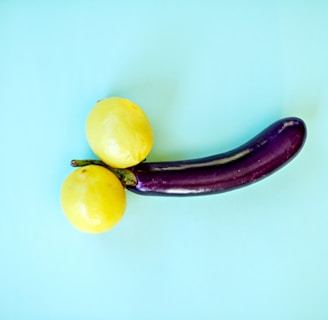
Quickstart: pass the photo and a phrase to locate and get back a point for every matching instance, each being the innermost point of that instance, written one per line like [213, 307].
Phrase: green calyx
[126, 176]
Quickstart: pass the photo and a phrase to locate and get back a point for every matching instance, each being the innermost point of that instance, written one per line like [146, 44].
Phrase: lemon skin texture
[119, 132]
[93, 199]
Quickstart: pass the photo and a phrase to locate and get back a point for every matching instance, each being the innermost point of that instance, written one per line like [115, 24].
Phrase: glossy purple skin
[256, 159]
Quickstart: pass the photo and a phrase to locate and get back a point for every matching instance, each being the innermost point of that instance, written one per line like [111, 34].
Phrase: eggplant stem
[126, 176]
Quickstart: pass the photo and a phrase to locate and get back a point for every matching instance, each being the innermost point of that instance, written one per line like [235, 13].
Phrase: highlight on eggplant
[258, 158]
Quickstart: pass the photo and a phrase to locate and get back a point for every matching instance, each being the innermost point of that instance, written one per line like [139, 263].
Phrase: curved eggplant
[256, 159]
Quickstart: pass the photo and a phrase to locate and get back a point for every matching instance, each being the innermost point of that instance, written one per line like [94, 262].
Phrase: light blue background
[210, 75]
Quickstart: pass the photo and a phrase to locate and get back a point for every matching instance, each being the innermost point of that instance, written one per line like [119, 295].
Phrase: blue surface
[210, 75]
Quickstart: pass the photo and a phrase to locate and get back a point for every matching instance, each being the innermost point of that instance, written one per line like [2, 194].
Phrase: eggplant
[267, 152]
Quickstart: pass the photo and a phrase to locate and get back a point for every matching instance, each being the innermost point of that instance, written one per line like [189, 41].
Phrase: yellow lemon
[119, 132]
[93, 199]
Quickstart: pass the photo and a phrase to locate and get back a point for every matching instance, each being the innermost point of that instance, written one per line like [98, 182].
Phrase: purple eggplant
[256, 159]
[261, 156]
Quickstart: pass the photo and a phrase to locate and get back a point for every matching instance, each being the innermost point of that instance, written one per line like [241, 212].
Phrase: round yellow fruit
[119, 132]
[93, 199]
